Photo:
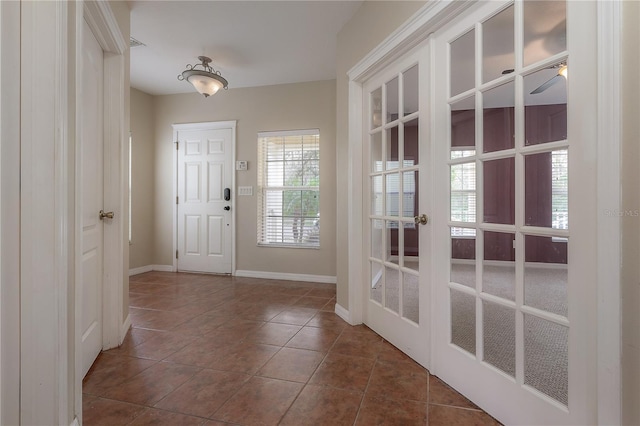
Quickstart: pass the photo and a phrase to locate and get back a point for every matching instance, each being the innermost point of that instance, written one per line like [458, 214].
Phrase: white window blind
[463, 197]
[289, 188]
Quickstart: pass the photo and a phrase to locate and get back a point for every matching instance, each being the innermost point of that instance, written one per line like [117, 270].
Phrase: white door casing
[92, 190]
[205, 178]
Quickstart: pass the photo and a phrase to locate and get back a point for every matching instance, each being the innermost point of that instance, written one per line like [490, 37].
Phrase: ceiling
[252, 43]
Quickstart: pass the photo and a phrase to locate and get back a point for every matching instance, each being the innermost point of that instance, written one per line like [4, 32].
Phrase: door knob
[108, 215]
[227, 208]
[422, 219]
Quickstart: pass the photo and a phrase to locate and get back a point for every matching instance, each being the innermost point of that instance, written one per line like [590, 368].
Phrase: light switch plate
[245, 190]
[241, 165]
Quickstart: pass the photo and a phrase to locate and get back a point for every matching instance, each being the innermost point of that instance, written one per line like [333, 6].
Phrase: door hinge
[176, 254]
[177, 145]
[176, 199]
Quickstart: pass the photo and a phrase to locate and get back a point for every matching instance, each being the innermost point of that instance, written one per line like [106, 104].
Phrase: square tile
[440, 415]
[111, 370]
[204, 393]
[99, 411]
[260, 401]
[328, 320]
[377, 410]
[442, 394]
[315, 339]
[273, 334]
[399, 380]
[296, 365]
[322, 405]
[344, 372]
[363, 344]
[311, 302]
[295, 316]
[204, 352]
[161, 345]
[246, 358]
[165, 418]
[152, 384]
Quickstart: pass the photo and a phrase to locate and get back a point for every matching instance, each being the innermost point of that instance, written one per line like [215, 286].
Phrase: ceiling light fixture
[205, 79]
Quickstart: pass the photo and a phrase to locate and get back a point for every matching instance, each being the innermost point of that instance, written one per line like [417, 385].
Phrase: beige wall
[268, 108]
[142, 175]
[630, 276]
[371, 24]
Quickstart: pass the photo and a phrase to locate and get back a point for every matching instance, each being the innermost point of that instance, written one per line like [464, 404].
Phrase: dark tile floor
[216, 350]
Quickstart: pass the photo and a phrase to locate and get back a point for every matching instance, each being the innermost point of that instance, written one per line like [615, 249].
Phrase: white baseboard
[126, 325]
[327, 279]
[343, 313]
[140, 270]
[149, 268]
[163, 268]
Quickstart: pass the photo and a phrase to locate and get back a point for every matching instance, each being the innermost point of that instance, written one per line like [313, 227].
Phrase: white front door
[515, 278]
[205, 199]
[92, 190]
[396, 152]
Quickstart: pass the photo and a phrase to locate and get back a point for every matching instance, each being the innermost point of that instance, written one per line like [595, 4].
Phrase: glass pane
[463, 63]
[275, 173]
[499, 328]
[499, 191]
[392, 244]
[392, 149]
[377, 233]
[545, 273]
[463, 321]
[498, 55]
[410, 90]
[377, 282]
[411, 143]
[376, 152]
[499, 270]
[392, 100]
[293, 173]
[463, 192]
[463, 128]
[547, 189]
[545, 110]
[392, 293]
[410, 297]
[463, 255]
[546, 357]
[376, 108]
[393, 200]
[411, 246]
[545, 29]
[498, 118]
[376, 196]
[410, 194]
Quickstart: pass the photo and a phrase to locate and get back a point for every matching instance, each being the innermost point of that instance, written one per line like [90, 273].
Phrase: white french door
[205, 194]
[396, 202]
[515, 277]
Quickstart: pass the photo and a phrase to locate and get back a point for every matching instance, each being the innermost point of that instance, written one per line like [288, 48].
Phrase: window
[463, 197]
[289, 188]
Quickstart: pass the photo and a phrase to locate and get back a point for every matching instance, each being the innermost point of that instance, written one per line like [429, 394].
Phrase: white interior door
[396, 168]
[205, 200]
[92, 190]
[516, 277]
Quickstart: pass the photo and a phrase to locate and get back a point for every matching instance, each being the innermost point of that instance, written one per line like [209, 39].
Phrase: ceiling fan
[562, 73]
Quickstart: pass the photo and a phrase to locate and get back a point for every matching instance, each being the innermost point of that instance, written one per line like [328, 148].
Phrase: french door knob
[108, 215]
[422, 219]
[227, 208]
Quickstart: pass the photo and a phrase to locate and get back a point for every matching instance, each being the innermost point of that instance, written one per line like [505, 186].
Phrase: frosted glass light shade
[205, 83]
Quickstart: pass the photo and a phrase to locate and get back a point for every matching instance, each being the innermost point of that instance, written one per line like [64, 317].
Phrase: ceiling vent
[135, 43]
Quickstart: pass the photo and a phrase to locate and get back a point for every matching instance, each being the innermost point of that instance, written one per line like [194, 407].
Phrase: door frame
[208, 125]
[427, 20]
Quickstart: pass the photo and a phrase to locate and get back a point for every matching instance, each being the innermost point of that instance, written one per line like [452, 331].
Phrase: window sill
[290, 246]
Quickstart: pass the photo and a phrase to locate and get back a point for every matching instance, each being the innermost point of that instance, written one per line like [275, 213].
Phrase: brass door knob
[422, 219]
[108, 215]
